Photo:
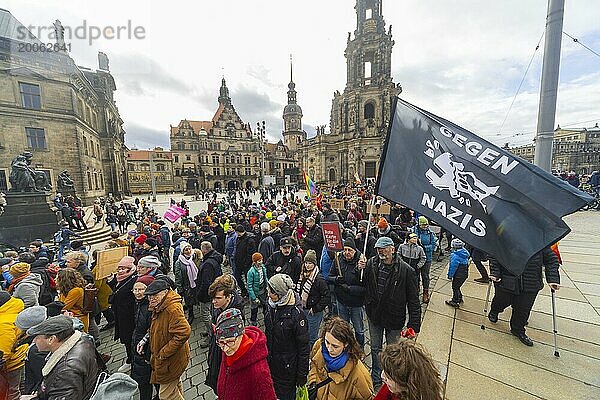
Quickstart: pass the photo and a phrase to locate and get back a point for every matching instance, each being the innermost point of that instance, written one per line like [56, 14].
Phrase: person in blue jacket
[428, 241]
[458, 271]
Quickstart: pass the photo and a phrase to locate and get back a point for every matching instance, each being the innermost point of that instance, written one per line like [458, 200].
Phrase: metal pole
[153, 181]
[368, 230]
[549, 86]
[485, 308]
[554, 330]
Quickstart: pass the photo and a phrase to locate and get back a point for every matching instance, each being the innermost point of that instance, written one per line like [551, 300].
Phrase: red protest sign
[332, 236]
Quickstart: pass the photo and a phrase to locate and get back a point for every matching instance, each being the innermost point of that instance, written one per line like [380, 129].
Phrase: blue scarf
[334, 363]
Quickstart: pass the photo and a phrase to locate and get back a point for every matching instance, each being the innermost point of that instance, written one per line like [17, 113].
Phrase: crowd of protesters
[213, 272]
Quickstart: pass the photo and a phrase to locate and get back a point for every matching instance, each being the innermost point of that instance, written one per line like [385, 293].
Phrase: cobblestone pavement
[195, 375]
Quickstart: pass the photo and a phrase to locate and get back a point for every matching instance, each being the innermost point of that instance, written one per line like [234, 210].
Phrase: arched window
[332, 175]
[369, 111]
[160, 167]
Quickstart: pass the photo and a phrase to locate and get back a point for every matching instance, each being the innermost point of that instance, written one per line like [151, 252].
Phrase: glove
[301, 381]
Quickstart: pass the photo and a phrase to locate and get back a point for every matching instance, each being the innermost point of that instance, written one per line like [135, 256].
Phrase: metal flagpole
[368, 230]
[549, 86]
[485, 308]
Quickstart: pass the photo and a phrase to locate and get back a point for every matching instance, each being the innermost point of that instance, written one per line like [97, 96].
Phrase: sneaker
[523, 338]
[124, 368]
[482, 280]
[493, 317]
[452, 303]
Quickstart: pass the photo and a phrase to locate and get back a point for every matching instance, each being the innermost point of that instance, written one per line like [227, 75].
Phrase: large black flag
[484, 195]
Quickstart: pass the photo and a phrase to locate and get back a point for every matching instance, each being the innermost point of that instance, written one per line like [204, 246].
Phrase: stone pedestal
[27, 216]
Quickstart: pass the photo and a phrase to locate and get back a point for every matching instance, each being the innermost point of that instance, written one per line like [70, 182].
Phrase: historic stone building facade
[222, 153]
[359, 115]
[63, 114]
[576, 150]
[143, 164]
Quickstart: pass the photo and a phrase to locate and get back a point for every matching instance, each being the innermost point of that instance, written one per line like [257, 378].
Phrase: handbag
[312, 389]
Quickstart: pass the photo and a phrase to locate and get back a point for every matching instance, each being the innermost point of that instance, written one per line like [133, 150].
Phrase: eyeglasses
[227, 342]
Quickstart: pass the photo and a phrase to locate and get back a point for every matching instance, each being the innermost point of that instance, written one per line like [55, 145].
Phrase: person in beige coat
[336, 369]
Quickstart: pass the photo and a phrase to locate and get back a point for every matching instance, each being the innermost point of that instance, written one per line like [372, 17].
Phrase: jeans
[262, 297]
[333, 310]
[205, 322]
[423, 273]
[354, 315]
[61, 249]
[376, 332]
[314, 323]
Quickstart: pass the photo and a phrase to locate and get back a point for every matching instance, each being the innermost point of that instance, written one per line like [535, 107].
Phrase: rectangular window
[215, 160]
[216, 171]
[248, 171]
[3, 181]
[36, 138]
[369, 13]
[247, 160]
[30, 96]
[370, 169]
[188, 157]
[89, 179]
[176, 158]
[85, 146]
[96, 180]
[101, 181]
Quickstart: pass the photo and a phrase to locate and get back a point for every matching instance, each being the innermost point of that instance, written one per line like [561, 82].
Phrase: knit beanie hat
[280, 284]
[19, 269]
[364, 223]
[149, 262]
[127, 261]
[30, 317]
[457, 243]
[350, 243]
[229, 324]
[256, 257]
[273, 223]
[145, 279]
[311, 256]
[141, 239]
[382, 223]
[117, 386]
[423, 220]
[183, 244]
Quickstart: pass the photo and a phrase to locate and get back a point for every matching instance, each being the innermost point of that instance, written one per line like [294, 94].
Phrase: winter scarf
[192, 269]
[15, 281]
[61, 352]
[283, 301]
[303, 287]
[334, 363]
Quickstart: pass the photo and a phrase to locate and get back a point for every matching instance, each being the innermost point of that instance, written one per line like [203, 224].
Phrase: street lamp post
[261, 134]
[152, 178]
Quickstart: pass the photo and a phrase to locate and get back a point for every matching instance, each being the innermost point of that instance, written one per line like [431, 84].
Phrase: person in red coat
[408, 373]
[244, 373]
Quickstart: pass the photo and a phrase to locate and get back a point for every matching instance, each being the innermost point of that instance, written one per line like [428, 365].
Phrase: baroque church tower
[360, 115]
[292, 117]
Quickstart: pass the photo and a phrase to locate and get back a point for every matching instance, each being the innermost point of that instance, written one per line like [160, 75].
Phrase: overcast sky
[461, 59]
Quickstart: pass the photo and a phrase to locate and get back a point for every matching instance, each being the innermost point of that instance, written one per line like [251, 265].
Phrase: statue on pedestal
[64, 183]
[25, 179]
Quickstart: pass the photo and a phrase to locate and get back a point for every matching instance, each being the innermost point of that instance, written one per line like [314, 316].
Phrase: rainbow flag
[311, 188]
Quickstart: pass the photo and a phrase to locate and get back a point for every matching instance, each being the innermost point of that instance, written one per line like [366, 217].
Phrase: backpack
[58, 236]
[90, 292]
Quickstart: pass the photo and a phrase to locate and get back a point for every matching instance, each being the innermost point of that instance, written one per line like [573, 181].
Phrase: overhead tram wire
[584, 46]
[522, 80]
[507, 136]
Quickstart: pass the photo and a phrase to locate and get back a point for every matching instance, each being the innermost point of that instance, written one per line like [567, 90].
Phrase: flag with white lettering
[489, 198]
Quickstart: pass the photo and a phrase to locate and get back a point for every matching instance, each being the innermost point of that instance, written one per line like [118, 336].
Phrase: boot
[425, 296]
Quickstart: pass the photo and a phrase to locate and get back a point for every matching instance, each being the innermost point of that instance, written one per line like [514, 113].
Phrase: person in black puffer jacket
[209, 271]
[245, 246]
[285, 261]
[313, 293]
[520, 291]
[140, 366]
[286, 328]
[349, 289]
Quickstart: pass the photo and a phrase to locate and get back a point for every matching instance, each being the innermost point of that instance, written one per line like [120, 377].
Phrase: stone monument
[26, 214]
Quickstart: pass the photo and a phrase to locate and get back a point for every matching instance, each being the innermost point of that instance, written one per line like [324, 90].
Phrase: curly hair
[409, 365]
[78, 256]
[225, 283]
[68, 279]
[342, 331]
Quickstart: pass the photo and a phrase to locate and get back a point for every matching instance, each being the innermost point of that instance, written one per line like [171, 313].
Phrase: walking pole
[485, 308]
[556, 354]
[367, 233]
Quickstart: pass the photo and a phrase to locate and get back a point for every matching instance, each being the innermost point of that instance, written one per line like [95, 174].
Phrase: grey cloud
[141, 137]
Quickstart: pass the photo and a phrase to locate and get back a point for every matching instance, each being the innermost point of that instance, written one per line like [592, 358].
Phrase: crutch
[556, 354]
[485, 308]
